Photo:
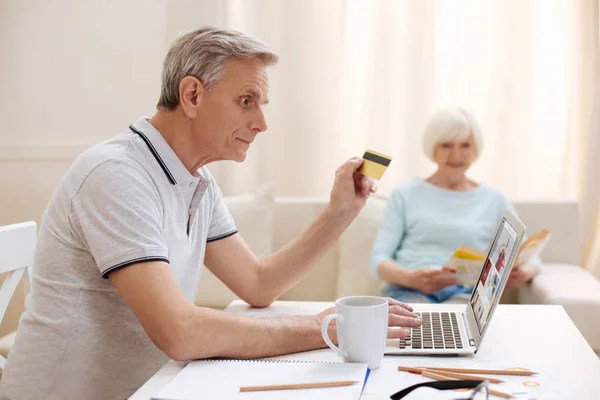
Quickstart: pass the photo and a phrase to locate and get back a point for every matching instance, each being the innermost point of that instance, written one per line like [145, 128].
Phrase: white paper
[387, 380]
[315, 356]
[223, 379]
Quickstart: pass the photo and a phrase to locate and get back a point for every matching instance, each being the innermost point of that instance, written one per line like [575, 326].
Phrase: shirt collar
[166, 158]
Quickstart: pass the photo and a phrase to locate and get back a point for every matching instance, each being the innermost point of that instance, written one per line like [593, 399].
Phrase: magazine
[467, 262]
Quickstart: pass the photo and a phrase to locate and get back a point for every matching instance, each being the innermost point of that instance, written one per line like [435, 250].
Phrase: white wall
[72, 73]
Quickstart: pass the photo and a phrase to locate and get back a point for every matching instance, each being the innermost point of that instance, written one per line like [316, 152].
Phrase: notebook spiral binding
[270, 360]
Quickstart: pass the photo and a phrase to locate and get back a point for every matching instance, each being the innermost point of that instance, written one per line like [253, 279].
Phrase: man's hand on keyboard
[400, 316]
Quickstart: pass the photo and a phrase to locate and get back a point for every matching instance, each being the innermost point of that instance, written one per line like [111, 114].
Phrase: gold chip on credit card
[374, 164]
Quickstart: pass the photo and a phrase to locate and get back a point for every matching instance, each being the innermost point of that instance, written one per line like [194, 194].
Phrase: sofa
[267, 223]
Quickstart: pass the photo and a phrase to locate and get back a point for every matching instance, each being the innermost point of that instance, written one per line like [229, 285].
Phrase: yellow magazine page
[465, 264]
[533, 246]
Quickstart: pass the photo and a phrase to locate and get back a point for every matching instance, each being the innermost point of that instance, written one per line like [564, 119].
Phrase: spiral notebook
[222, 379]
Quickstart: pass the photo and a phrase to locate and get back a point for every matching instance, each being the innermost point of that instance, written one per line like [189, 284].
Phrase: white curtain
[590, 162]
[590, 194]
[367, 74]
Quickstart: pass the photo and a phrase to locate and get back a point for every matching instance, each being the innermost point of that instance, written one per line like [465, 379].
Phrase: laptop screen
[496, 269]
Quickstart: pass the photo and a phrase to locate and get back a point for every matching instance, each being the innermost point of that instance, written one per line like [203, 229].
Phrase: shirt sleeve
[117, 215]
[390, 235]
[221, 222]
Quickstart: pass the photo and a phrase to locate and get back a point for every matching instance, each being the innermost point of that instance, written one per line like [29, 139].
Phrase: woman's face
[455, 157]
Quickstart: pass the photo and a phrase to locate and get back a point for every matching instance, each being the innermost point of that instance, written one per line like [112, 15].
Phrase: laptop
[452, 333]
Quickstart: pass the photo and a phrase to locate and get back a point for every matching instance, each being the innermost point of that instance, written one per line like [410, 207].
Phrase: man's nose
[260, 123]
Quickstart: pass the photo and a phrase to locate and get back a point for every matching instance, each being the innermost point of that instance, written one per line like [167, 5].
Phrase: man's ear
[191, 92]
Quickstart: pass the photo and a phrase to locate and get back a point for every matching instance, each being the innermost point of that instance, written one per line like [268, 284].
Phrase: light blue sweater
[424, 224]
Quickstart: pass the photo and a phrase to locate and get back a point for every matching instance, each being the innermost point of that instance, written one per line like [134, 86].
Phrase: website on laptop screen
[495, 271]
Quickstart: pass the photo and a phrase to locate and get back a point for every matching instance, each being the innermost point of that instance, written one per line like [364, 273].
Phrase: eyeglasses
[480, 389]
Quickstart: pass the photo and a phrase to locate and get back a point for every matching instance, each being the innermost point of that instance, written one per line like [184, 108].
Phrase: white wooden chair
[17, 246]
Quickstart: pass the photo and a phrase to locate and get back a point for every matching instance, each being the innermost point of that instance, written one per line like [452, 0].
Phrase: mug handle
[326, 321]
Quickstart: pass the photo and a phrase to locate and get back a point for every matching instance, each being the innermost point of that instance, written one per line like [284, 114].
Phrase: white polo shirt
[125, 201]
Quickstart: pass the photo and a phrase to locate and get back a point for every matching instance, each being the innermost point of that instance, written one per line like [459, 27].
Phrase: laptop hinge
[467, 330]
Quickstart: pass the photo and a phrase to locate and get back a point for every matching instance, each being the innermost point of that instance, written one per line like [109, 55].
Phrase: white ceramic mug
[362, 324]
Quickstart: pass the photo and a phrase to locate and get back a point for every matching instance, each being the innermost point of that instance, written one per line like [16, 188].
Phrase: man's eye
[245, 101]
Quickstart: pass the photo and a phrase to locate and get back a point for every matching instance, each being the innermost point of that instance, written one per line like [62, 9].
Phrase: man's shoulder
[109, 163]
[118, 148]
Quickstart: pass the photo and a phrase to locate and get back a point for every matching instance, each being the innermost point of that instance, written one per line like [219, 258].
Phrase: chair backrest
[17, 247]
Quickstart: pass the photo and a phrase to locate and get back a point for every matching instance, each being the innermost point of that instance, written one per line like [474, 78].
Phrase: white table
[541, 334]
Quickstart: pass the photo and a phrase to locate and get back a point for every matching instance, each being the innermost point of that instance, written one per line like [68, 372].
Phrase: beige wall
[72, 73]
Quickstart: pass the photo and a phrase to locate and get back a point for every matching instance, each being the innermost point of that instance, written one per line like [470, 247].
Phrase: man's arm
[260, 282]
[185, 331]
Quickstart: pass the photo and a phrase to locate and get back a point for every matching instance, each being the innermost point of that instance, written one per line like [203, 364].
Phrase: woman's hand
[430, 281]
[399, 315]
[520, 275]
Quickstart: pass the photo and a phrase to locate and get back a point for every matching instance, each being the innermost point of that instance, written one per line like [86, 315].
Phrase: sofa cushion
[354, 250]
[292, 216]
[575, 289]
[253, 216]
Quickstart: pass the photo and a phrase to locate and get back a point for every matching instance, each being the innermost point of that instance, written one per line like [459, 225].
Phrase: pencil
[473, 371]
[464, 376]
[439, 377]
[311, 385]
[450, 374]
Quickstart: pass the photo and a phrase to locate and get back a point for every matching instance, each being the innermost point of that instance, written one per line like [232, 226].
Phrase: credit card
[374, 164]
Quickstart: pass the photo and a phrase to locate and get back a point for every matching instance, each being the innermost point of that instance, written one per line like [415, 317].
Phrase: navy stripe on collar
[155, 154]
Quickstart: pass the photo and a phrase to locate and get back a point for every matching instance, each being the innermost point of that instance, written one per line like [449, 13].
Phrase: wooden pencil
[438, 377]
[518, 372]
[310, 385]
[465, 376]
[522, 372]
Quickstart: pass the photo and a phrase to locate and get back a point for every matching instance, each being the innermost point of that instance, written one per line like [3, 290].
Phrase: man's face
[231, 114]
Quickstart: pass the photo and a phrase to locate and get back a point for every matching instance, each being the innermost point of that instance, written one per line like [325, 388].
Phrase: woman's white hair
[450, 124]
[204, 53]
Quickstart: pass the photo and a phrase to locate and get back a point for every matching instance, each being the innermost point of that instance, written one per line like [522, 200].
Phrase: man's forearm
[211, 333]
[285, 267]
[185, 331]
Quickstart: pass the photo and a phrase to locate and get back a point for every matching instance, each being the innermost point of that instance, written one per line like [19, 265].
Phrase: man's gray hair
[203, 53]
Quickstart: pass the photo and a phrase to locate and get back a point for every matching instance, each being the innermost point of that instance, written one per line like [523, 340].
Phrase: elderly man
[126, 233]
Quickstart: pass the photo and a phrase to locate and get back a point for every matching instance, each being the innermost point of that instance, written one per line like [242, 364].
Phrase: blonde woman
[427, 219]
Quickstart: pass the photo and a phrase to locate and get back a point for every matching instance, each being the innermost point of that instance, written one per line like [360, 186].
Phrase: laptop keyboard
[439, 331]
